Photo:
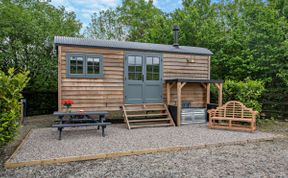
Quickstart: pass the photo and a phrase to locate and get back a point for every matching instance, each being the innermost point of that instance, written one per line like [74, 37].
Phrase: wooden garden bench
[233, 115]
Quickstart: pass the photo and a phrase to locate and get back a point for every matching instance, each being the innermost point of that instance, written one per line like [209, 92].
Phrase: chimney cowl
[176, 29]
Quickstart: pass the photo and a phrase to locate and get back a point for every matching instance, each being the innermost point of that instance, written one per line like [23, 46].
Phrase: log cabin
[104, 75]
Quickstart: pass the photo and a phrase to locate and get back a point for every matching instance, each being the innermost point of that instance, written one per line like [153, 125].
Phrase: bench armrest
[212, 112]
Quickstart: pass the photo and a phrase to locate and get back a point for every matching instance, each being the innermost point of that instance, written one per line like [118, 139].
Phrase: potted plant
[67, 104]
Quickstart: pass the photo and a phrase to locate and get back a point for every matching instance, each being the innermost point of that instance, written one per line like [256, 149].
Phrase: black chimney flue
[176, 36]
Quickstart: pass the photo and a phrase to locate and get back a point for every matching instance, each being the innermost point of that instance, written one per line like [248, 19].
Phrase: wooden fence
[275, 105]
[39, 103]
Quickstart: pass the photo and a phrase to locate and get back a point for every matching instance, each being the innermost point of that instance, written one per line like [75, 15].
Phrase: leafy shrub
[11, 86]
[248, 92]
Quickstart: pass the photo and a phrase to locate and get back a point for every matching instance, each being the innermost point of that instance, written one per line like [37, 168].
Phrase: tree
[106, 25]
[198, 23]
[133, 20]
[252, 42]
[144, 21]
[28, 28]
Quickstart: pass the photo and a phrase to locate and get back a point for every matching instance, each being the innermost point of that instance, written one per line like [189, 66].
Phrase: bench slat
[79, 113]
[232, 119]
[84, 124]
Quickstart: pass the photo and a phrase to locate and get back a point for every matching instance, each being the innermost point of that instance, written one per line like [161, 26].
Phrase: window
[84, 65]
[93, 65]
[135, 67]
[152, 68]
[76, 65]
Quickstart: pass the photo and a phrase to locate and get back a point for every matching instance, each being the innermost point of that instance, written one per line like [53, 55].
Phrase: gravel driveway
[264, 159]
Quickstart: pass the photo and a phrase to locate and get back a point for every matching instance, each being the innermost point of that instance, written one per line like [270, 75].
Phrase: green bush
[248, 92]
[11, 86]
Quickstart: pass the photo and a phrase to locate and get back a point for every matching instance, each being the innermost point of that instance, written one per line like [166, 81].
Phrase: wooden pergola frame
[180, 83]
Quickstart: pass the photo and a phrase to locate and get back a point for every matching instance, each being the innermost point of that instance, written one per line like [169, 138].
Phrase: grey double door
[143, 78]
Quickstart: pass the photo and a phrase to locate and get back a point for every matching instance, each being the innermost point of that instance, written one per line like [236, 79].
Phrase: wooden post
[59, 77]
[179, 105]
[21, 112]
[220, 86]
[179, 101]
[168, 93]
[208, 94]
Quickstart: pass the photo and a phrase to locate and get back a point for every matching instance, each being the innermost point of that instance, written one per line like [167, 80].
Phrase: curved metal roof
[130, 45]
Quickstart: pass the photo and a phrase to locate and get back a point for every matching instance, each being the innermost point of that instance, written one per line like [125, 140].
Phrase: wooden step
[145, 109]
[155, 110]
[149, 125]
[147, 104]
[149, 120]
[146, 115]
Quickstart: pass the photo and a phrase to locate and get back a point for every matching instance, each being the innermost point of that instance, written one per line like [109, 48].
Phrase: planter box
[189, 115]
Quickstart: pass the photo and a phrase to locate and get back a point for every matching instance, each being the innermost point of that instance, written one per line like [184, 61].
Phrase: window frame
[85, 65]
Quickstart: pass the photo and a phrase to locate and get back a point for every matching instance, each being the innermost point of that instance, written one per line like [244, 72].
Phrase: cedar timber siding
[176, 66]
[94, 94]
[107, 93]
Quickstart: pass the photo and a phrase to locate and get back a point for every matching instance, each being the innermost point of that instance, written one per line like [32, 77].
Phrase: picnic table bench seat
[233, 115]
[81, 119]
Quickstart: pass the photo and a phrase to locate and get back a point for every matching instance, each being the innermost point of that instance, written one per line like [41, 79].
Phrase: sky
[85, 8]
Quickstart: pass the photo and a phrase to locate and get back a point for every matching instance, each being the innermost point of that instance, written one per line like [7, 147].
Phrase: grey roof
[130, 45]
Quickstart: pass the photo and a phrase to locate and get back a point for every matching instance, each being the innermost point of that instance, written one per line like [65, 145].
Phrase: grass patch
[275, 126]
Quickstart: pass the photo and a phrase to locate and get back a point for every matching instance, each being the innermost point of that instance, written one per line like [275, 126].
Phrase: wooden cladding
[185, 66]
[107, 93]
[95, 94]
[194, 93]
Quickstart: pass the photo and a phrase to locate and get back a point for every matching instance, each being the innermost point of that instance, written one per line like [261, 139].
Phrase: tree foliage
[145, 22]
[134, 20]
[107, 26]
[28, 28]
[11, 86]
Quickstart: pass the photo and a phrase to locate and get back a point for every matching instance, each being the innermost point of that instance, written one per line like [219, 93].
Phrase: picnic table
[80, 119]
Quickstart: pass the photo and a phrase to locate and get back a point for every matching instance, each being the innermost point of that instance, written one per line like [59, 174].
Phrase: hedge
[248, 92]
[11, 86]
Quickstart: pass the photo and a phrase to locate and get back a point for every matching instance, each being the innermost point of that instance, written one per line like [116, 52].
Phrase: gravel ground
[87, 141]
[264, 159]
[30, 123]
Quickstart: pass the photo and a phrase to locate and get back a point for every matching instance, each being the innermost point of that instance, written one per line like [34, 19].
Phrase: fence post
[23, 110]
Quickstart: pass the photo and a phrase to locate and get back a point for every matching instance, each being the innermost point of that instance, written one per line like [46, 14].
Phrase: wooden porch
[180, 83]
